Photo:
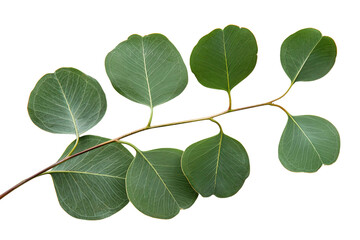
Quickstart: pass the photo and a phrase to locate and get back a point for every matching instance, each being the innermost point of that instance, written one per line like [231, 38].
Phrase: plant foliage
[96, 177]
[67, 101]
[92, 185]
[148, 70]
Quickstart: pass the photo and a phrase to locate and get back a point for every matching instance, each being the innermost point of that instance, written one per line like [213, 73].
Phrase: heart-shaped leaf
[217, 165]
[67, 101]
[307, 55]
[224, 58]
[156, 185]
[308, 142]
[92, 185]
[148, 70]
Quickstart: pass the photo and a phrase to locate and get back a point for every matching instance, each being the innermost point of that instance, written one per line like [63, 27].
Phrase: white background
[38, 37]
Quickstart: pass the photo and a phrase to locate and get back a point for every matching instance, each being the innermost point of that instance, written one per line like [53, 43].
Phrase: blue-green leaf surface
[308, 142]
[217, 165]
[67, 101]
[307, 55]
[156, 185]
[92, 185]
[148, 70]
[223, 58]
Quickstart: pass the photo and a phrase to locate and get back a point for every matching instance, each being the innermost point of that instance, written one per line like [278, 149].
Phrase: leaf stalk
[151, 116]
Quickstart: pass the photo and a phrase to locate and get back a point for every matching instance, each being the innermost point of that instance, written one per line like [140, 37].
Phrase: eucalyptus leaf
[92, 185]
[308, 142]
[307, 55]
[67, 101]
[148, 70]
[223, 58]
[156, 185]
[217, 165]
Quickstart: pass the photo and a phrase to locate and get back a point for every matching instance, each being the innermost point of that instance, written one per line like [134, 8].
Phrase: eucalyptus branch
[149, 70]
[132, 133]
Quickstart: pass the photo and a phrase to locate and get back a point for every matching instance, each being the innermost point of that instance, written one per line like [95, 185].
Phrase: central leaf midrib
[68, 106]
[307, 57]
[156, 172]
[146, 74]
[226, 63]
[85, 173]
[306, 136]
[218, 159]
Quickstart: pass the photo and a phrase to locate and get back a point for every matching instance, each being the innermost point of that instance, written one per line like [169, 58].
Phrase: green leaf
[308, 142]
[156, 185]
[92, 185]
[217, 165]
[307, 55]
[224, 58]
[67, 101]
[148, 70]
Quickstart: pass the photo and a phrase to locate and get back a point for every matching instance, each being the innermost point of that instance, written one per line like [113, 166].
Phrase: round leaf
[156, 185]
[307, 55]
[148, 70]
[224, 58]
[67, 101]
[308, 142]
[217, 165]
[92, 185]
